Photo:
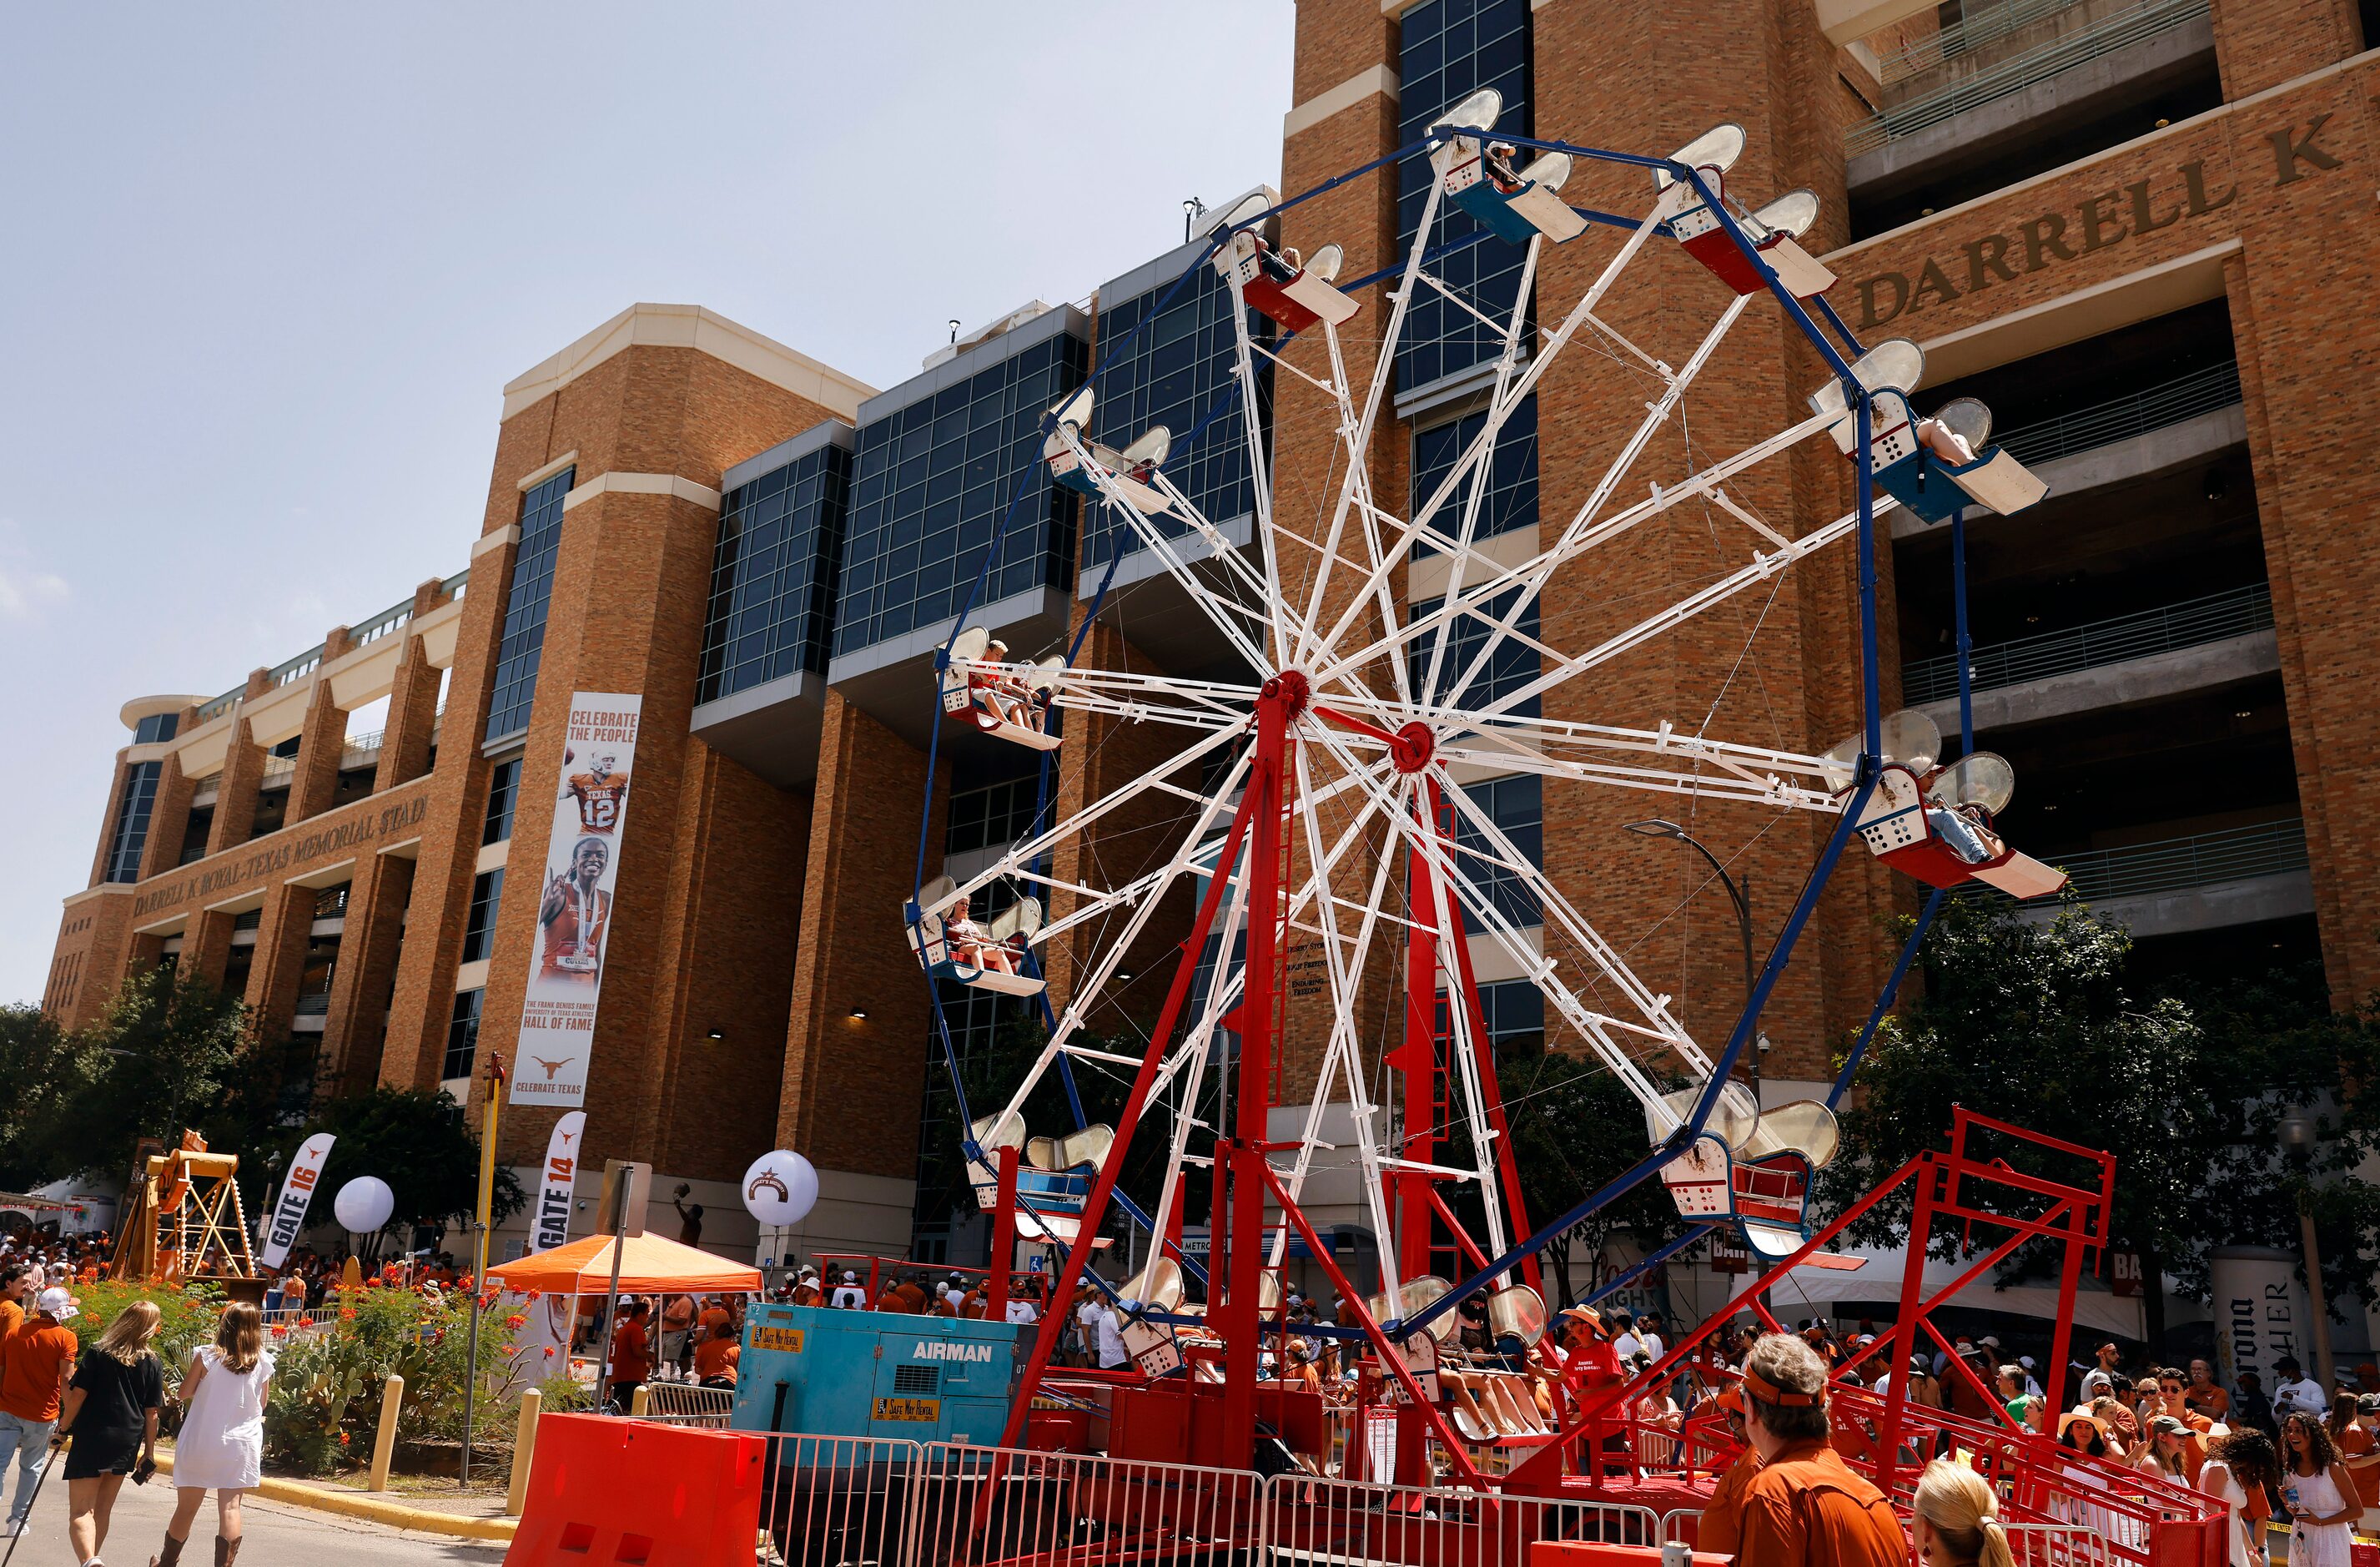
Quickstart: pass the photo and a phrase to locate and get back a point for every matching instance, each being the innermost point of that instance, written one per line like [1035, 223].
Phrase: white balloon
[364, 1205]
[781, 1187]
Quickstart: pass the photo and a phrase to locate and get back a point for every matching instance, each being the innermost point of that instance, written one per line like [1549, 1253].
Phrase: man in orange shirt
[15, 1283]
[1720, 1532]
[35, 1358]
[1806, 1508]
[716, 1356]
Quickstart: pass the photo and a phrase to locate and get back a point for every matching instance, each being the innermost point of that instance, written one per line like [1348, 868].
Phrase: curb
[371, 1508]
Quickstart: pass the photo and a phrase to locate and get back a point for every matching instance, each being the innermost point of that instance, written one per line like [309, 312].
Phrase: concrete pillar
[206, 945]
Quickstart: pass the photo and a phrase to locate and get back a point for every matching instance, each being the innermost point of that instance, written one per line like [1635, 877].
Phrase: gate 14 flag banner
[574, 910]
[550, 1226]
[289, 1212]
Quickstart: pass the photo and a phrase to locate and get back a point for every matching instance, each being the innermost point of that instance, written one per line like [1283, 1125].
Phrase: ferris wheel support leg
[1884, 999]
[1045, 1341]
[1249, 1173]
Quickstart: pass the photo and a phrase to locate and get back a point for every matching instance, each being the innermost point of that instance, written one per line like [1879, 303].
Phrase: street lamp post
[1738, 893]
[2298, 1132]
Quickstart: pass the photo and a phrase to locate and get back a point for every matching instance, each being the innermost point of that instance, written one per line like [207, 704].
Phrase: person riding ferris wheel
[1330, 815]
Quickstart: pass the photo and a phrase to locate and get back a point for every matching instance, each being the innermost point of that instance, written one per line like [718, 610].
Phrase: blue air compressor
[819, 1372]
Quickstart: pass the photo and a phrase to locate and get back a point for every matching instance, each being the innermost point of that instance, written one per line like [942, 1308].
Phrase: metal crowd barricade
[2058, 1545]
[974, 1505]
[838, 1502]
[688, 1404]
[1310, 1522]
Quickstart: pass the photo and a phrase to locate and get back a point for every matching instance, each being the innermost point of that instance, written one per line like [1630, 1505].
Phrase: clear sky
[268, 267]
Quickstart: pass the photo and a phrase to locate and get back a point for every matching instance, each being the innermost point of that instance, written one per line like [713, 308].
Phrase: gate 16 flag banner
[574, 910]
[289, 1213]
[552, 1224]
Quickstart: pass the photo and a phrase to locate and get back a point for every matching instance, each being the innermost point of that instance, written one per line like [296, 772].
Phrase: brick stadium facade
[2143, 229]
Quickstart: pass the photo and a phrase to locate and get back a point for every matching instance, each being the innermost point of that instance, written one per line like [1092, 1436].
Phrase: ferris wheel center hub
[1414, 747]
[1292, 689]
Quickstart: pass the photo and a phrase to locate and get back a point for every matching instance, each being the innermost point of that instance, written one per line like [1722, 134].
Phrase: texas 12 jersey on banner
[573, 909]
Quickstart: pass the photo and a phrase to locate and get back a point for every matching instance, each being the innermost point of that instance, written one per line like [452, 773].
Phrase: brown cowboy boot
[172, 1554]
[225, 1551]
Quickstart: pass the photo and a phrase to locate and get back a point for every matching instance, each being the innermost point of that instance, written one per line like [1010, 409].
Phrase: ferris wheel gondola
[1936, 465]
[1774, 231]
[1478, 176]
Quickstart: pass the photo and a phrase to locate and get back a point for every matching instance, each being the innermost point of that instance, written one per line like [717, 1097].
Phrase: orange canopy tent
[648, 1263]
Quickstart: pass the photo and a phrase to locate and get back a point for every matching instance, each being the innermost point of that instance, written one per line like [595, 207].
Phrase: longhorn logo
[551, 1066]
[772, 1181]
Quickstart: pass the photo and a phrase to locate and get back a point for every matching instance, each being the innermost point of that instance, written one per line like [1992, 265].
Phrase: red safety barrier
[1590, 1553]
[604, 1491]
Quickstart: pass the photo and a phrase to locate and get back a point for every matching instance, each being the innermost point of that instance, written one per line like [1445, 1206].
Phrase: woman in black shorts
[111, 1412]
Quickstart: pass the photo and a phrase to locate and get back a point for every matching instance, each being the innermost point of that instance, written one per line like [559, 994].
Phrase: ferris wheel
[1315, 803]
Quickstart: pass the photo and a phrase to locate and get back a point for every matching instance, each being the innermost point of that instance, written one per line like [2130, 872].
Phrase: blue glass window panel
[1449, 50]
[997, 813]
[773, 578]
[1512, 499]
[503, 789]
[1175, 366]
[1516, 804]
[479, 925]
[526, 603]
[462, 1036]
[131, 833]
[1513, 664]
[155, 727]
[909, 563]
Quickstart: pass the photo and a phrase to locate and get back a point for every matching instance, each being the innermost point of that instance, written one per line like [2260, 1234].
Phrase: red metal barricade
[604, 1489]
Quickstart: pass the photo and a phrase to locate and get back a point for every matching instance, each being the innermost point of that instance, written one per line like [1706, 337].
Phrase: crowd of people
[99, 1404]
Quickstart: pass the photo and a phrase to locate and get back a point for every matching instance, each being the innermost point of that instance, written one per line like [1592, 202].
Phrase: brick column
[851, 1088]
[412, 709]
[2262, 43]
[242, 776]
[169, 818]
[321, 742]
[737, 907]
[206, 945]
[279, 959]
[360, 990]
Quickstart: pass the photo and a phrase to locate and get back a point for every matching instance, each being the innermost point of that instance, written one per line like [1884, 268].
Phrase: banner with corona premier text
[550, 1226]
[574, 897]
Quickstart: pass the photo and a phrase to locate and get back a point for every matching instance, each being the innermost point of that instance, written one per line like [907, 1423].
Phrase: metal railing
[2193, 622]
[2177, 865]
[367, 744]
[1964, 37]
[280, 767]
[313, 1004]
[305, 664]
[2102, 424]
[1926, 110]
[686, 1403]
[292, 670]
[381, 625]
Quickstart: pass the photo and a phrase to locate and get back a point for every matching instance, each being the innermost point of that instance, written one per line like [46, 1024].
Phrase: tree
[418, 1141]
[45, 1068]
[173, 1054]
[1575, 1127]
[2036, 1023]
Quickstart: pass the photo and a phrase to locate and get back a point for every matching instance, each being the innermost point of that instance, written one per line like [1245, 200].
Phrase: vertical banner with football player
[574, 910]
[552, 1225]
[296, 1192]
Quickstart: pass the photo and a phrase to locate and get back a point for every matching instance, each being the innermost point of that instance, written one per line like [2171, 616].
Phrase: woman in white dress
[2322, 1516]
[222, 1445]
[2239, 1464]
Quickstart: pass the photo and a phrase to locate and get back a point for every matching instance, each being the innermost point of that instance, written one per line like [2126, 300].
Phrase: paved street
[277, 1535]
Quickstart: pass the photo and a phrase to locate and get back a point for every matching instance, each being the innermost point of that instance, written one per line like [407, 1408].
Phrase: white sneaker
[12, 1528]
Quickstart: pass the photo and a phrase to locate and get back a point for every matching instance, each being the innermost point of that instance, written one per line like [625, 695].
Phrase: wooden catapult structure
[183, 1220]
